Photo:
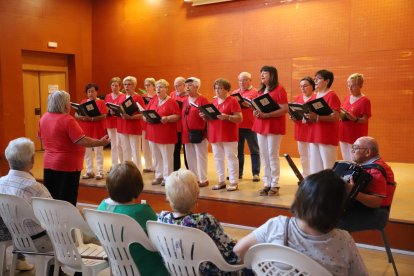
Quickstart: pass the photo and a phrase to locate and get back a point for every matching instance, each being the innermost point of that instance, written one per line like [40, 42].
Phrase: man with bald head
[371, 207]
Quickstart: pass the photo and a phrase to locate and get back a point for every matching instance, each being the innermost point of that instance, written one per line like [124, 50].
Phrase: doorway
[43, 73]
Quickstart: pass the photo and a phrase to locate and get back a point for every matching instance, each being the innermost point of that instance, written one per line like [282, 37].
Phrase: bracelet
[229, 118]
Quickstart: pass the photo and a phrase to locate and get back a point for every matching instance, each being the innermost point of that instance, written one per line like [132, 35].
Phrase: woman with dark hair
[124, 184]
[317, 208]
[307, 86]
[269, 128]
[64, 141]
[94, 127]
[324, 130]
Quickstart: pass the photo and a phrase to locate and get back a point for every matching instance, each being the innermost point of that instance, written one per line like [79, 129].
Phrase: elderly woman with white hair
[182, 193]
[64, 142]
[162, 136]
[196, 151]
[130, 126]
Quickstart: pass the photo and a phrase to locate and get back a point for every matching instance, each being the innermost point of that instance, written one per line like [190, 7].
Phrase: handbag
[195, 136]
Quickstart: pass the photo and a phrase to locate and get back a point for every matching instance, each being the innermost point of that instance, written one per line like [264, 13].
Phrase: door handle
[37, 111]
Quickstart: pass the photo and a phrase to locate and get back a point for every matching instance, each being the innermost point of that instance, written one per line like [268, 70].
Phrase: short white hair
[57, 101]
[245, 74]
[131, 79]
[19, 153]
[195, 81]
[182, 190]
[179, 79]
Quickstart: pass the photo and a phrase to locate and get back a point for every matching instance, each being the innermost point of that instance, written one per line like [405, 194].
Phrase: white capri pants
[229, 150]
[99, 159]
[303, 149]
[116, 149]
[131, 148]
[146, 151]
[163, 157]
[197, 159]
[346, 151]
[321, 157]
[269, 146]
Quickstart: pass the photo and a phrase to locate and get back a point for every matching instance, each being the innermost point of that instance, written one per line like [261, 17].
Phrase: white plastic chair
[62, 220]
[183, 248]
[14, 212]
[117, 232]
[3, 247]
[272, 259]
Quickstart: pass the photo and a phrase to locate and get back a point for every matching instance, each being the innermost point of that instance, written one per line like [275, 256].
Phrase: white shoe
[24, 265]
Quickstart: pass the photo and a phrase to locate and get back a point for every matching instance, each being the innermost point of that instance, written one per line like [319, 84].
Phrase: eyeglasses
[304, 86]
[355, 148]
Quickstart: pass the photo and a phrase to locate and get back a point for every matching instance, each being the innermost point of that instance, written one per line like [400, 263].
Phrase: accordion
[346, 170]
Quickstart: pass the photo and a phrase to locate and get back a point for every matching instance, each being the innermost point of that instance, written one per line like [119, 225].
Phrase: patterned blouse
[210, 225]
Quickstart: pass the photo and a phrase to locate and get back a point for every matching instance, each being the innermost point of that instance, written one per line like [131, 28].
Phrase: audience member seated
[21, 183]
[124, 184]
[317, 207]
[182, 192]
[371, 207]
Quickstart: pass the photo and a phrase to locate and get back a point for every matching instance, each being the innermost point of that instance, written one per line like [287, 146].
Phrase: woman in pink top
[162, 136]
[307, 85]
[149, 84]
[94, 127]
[64, 142]
[354, 119]
[196, 153]
[112, 121]
[324, 130]
[223, 134]
[130, 126]
[270, 128]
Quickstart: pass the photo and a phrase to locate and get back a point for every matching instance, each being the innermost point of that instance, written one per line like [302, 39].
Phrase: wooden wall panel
[166, 39]
[29, 25]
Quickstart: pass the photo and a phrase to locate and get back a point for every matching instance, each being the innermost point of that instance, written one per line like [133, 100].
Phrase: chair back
[117, 232]
[272, 259]
[15, 211]
[60, 219]
[183, 248]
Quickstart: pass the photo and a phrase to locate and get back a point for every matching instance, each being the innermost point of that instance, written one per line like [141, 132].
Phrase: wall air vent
[205, 2]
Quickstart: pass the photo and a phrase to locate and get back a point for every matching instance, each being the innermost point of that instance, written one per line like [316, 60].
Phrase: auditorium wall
[29, 26]
[166, 39]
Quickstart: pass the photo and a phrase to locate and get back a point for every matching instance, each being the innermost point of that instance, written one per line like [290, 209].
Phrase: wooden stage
[245, 207]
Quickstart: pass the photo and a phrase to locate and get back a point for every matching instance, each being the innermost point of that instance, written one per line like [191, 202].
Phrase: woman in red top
[223, 134]
[307, 85]
[324, 136]
[270, 128]
[94, 127]
[354, 119]
[130, 126]
[112, 121]
[64, 141]
[196, 153]
[162, 136]
[149, 84]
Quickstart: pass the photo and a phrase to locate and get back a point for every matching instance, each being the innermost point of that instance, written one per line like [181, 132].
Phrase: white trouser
[116, 149]
[269, 146]
[229, 150]
[146, 151]
[197, 159]
[163, 157]
[303, 149]
[99, 159]
[131, 148]
[346, 150]
[321, 157]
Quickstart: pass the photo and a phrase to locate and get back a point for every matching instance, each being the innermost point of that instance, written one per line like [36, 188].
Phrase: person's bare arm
[244, 244]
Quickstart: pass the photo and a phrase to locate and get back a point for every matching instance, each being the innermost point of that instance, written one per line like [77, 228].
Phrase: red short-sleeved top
[247, 112]
[190, 118]
[272, 125]
[95, 129]
[224, 130]
[302, 129]
[379, 186]
[112, 121]
[59, 133]
[163, 133]
[327, 132]
[181, 98]
[349, 131]
[131, 127]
